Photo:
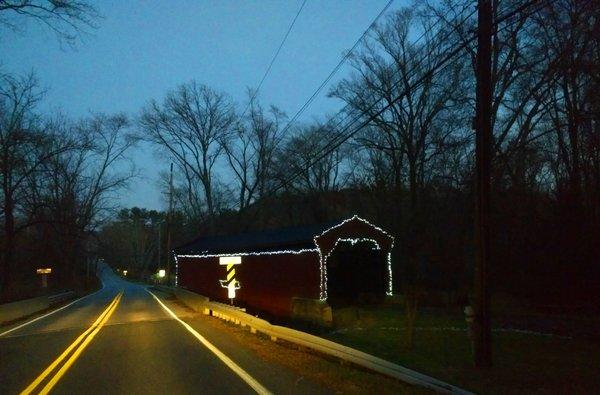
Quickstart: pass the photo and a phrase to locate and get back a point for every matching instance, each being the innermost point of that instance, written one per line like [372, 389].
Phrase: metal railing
[238, 316]
[61, 297]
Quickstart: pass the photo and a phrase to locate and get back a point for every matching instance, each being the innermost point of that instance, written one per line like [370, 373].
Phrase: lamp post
[159, 244]
[484, 90]
[159, 223]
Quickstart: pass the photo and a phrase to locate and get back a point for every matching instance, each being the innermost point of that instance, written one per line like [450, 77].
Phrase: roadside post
[470, 318]
[44, 273]
[230, 283]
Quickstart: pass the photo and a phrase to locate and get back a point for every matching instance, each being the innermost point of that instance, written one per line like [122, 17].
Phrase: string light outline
[277, 252]
[322, 259]
[176, 269]
[323, 268]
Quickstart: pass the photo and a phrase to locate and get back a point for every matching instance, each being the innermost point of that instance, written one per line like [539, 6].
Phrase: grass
[523, 363]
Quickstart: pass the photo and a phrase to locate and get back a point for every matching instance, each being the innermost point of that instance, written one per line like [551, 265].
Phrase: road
[121, 340]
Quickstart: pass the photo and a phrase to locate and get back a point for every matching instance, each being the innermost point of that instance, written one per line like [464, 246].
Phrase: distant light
[124, 272]
[45, 270]
[162, 273]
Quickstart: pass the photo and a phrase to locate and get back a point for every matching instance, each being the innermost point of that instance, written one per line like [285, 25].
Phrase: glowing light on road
[162, 273]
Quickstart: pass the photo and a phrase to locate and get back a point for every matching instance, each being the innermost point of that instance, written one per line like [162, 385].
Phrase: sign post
[44, 272]
[230, 282]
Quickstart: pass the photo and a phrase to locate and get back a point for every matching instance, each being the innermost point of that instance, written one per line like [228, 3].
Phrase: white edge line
[50, 313]
[251, 381]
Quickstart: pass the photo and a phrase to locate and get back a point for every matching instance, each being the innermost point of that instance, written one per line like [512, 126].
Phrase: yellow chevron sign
[230, 283]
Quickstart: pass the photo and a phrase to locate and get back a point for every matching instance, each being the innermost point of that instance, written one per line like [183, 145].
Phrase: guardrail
[23, 308]
[238, 316]
[61, 297]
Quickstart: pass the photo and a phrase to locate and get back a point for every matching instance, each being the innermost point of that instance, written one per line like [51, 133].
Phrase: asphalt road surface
[122, 340]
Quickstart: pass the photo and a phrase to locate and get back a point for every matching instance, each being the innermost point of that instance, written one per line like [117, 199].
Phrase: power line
[453, 53]
[334, 143]
[348, 114]
[336, 68]
[255, 93]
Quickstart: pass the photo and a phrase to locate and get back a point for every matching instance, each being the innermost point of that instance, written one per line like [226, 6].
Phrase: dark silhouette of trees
[66, 18]
[416, 128]
[250, 150]
[191, 124]
[57, 179]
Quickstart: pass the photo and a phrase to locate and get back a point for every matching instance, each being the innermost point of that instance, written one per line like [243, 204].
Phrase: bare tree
[190, 125]
[23, 150]
[130, 240]
[66, 18]
[76, 188]
[522, 75]
[251, 150]
[567, 38]
[414, 129]
[409, 132]
[310, 142]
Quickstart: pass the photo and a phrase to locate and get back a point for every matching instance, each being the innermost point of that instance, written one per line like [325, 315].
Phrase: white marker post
[230, 283]
[44, 272]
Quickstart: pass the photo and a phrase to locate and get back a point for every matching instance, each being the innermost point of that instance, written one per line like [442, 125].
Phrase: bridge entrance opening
[356, 273]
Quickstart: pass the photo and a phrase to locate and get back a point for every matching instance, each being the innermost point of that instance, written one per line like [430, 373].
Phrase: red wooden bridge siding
[268, 282]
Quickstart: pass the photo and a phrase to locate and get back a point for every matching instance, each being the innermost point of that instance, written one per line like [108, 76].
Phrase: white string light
[278, 252]
[322, 259]
[176, 269]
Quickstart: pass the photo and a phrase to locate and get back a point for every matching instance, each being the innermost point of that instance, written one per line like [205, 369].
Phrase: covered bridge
[335, 262]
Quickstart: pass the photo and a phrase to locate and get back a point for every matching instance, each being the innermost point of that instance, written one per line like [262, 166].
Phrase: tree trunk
[484, 136]
[9, 246]
[410, 293]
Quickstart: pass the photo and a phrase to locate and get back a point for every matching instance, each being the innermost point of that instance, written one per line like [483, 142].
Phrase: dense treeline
[56, 174]
[58, 181]
[245, 166]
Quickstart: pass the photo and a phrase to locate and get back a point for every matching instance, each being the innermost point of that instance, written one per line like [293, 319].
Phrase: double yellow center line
[74, 350]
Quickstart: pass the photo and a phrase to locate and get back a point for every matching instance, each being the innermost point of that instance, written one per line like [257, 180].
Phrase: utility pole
[169, 218]
[483, 131]
[159, 238]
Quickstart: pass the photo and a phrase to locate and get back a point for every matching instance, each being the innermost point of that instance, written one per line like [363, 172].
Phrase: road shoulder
[282, 366]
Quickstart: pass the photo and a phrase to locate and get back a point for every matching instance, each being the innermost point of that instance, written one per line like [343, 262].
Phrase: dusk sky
[142, 49]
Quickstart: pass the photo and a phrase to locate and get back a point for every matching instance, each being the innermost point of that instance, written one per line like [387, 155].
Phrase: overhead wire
[343, 111]
[342, 137]
[255, 93]
[348, 114]
[336, 68]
